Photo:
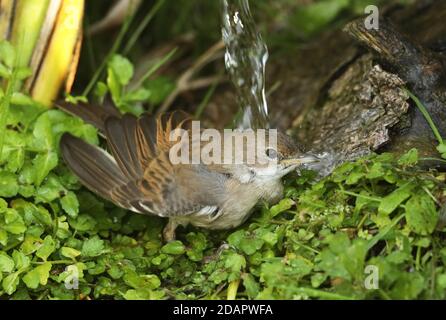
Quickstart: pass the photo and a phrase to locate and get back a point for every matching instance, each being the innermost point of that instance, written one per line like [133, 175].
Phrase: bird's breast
[237, 205]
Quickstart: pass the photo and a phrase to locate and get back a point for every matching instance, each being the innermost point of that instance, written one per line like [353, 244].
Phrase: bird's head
[273, 157]
[276, 160]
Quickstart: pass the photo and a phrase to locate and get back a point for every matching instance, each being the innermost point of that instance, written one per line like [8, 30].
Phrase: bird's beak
[300, 160]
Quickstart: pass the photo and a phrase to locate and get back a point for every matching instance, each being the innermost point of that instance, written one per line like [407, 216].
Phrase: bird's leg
[169, 230]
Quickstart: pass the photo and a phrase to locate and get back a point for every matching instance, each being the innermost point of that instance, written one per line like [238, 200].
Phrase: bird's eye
[272, 154]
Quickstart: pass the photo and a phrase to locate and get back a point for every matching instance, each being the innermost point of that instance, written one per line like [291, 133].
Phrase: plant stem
[383, 232]
[232, 289]
[4, 108]
[433, 159]
[357, 195]
[56, 262]
[323, 294]
[155, 68]
[206, 99]
[305, 246]
[417, 259]
[426, 115]
[142, 26]
[384, 295]
[113, 51]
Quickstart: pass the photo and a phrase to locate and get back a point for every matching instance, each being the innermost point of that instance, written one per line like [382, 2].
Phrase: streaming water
[245, 59]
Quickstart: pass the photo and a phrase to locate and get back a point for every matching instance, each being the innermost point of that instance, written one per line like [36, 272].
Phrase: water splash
[328, 161]
[246, 57]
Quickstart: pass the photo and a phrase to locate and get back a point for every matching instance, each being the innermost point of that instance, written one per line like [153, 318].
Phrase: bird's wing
[141, 148]
[92, 114]
[96, 169]
[137, 144]
[140, 176]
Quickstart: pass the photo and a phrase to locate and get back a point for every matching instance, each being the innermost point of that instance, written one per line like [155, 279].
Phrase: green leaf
[122, 68]
[5, 72]
[140, 95]
[235, 262]
[441, 148]
[39, 275]
[3, 237]
[43, 133]
[174, 248]
[267, 236]
[115, 271]
[20, 99]
[251, 285]
[354, 177]
[143, 294]
[3, 205]
[6, 263]
[313, 17]
[114, 86]
[10, 283]
[9, 186]
[43, 164]
[93, 247]
[408, 286]
[409, 159]
[136, 281]
[159, 89]
[14, 222]
[197, 244]
[282, 206]
[23, 73]
[69, 252]
[376, 171]
[101, 90]
[47, 248]
[70, 204]
[32, 213]
[235, 238]
[50, 190]
[7, 53]
[397, 197]
[421, 214]
[251, 245]
[21, 261]
[83, 223]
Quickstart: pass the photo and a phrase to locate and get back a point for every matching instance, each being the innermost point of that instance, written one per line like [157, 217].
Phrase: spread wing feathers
[139, 176]
[136, 143]
[99, 172]
[96, 169]
[92, 114]
[121, 138]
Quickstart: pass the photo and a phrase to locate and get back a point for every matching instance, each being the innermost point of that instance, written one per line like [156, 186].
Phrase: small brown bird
[139, 176]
